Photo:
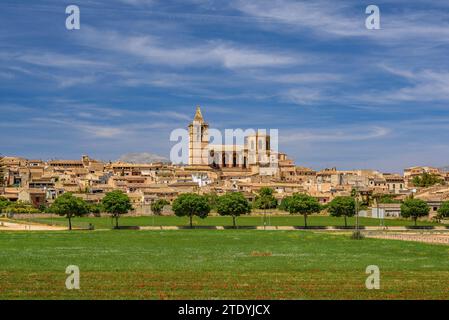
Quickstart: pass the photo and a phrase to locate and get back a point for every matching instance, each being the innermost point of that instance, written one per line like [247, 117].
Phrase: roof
[198, 116]
[184, 184]
[74, 162]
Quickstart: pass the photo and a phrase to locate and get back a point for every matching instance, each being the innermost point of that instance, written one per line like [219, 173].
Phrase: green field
[105, 222]
[217, 264]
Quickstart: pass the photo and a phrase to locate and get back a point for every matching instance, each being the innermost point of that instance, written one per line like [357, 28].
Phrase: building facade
[253, 151]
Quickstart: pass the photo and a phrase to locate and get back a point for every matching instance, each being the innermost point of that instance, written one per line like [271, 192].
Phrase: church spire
[198, 116]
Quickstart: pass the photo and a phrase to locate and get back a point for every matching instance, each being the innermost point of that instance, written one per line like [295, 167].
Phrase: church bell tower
[198, 140]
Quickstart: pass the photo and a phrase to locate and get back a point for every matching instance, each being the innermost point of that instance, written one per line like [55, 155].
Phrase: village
[38, 183]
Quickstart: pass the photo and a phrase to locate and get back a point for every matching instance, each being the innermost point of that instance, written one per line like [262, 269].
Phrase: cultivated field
[215, 264]
[288, 220]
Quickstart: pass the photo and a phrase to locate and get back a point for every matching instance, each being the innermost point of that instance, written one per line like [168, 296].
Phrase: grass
[211, 264]
[106, 222]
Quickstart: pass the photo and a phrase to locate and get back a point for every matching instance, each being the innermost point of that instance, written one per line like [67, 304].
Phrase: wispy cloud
[332, 135]
[102, 131]
[422, 86]
[153, 51]
[347, 19]
[58, 60]
[339, 93]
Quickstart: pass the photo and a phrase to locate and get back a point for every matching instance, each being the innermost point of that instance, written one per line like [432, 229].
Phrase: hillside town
[39, 182]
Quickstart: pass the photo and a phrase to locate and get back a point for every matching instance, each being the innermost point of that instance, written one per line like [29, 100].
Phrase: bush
[22, 210]
[20, 207]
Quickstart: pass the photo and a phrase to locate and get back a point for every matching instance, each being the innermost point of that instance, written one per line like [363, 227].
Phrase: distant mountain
[143, 157]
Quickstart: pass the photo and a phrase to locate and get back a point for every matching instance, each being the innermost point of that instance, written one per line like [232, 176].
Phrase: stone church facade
[251, 151]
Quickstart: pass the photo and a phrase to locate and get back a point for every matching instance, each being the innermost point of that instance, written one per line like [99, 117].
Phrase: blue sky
[340, 95]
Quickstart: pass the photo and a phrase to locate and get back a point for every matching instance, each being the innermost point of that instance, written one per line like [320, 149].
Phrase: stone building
[253, 153]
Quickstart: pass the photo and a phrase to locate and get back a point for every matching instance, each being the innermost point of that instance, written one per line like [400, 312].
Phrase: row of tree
[191, 204]
[115, 203]
[235, 204]
[232, 204]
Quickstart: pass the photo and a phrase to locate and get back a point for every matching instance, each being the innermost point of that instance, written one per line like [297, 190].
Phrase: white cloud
[50, 59]
[210, 53]
[305, 96]
[347, 134]
[423, 86]
[343, 19]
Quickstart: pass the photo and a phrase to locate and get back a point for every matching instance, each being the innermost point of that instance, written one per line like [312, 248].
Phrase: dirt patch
[420, 237]
[11, 226]
[261, 254]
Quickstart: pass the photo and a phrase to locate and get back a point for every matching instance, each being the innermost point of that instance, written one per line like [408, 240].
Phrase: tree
[443, 211]
[20, 207]
[212, 199]
[342, 206]
[95, 208]
[191, 204]
[303, 204]
[4, 202]
[233, 204]
[386, 198]
[69, 206]
[158, 205]
[426, 180]
[265, 200]
[284, 203]
[414, 208]
[116, 203]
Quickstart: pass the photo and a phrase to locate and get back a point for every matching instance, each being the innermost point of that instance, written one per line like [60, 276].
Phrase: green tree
[342, 207]
[233, 204]
[265, 200]
[414, 208]
[443, 211]
[386, 198]
[20, 207]
[427, 180]
[95, 208]
[304, 204]
[69, 206]
[116, 203]
[158, 205]
[191, 204]
[3, 203]
[212, 199]
[284, 204]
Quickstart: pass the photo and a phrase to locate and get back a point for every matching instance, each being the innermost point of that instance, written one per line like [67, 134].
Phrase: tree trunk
[346, 222]
[191, 223]
[305, 221]
[116, 221]
[233, 221]
[415, 218]
[70, 222]
[264, 217]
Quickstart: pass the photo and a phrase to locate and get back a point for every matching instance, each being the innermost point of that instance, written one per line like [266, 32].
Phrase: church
[254, 152]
